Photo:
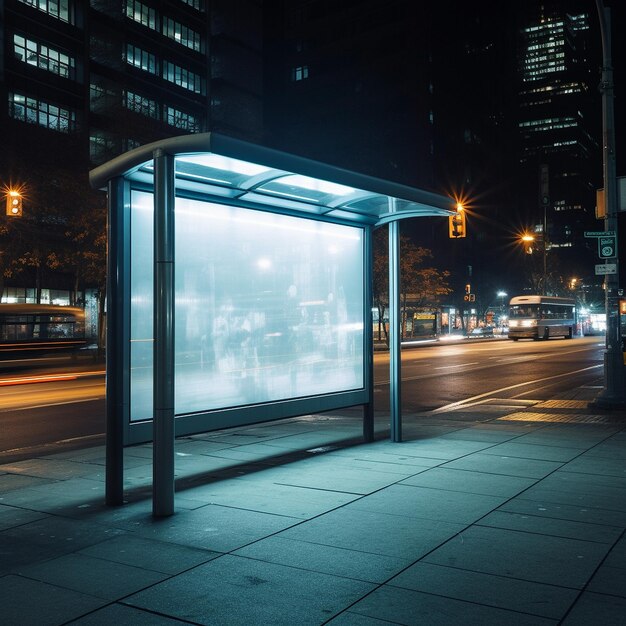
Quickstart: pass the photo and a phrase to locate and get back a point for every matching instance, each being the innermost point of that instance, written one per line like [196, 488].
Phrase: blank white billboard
[269, 307]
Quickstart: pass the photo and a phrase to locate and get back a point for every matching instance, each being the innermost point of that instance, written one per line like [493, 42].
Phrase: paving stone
[357, 564]
[158, 556]
[486, 589]
[11, 482]
[594, 496]
[577, 512]
[554, 527]
[58, 535]
[11, 516]
[49, 468]
[595, 608]
[211, 527]
[379, 533]
[97, 577]
[234, 590]
[531, 451]
[404, 606]
[122, 615]
[586, 464]
[527, 556]
[505, 465]
[294, 501]
[469, 482]
[25, 601]
[427, 503]
[609, 580]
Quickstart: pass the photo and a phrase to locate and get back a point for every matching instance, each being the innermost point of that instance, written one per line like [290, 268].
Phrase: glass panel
[305, 188]
[141, 251]
[268, 307]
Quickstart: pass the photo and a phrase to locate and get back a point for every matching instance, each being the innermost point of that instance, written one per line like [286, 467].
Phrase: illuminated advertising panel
[269, 307]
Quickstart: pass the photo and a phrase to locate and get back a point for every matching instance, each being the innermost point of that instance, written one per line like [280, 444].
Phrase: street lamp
[614, 393]
[502, 295]
[528, 240]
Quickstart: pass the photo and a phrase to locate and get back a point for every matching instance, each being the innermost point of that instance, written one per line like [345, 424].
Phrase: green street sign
[599, 233]
[607, 247]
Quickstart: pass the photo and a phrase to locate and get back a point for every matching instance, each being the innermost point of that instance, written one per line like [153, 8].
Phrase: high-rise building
[118, 73]
[559, 128]
[82, 82]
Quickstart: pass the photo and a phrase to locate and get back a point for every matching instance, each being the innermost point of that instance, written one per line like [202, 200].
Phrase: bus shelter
[239, 291]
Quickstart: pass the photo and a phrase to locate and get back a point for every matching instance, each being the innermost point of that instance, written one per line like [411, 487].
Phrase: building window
[182, 34]
[141, 59]
[300, 73]
[182, 77]
[60, 9]
[141, 13]
[44, 57]
[102, 98]
[43, 113]
[140, 104]
[102, 147]
[196, 4]
[178, 119]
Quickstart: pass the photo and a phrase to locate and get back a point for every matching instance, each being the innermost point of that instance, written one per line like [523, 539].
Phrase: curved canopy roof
[217, 165]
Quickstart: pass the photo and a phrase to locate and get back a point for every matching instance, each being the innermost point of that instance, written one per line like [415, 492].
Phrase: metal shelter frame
[214, 168]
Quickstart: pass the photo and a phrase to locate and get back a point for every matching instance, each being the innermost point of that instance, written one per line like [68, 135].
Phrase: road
[443, 376]
[47, 415]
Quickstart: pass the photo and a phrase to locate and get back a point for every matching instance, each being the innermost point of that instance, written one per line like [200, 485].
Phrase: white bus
[541, 317]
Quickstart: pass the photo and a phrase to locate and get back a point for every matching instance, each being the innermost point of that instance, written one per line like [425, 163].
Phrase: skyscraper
[82, 82]
[559, 128]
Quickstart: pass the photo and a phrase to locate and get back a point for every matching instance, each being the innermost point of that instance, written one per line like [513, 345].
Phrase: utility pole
[613, 395]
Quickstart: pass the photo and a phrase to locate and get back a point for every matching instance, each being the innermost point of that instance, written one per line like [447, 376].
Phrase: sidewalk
[509, 512]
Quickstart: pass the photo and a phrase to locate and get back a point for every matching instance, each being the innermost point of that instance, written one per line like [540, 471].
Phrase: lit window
[140, 104]
[61, 9]
[141, 13]
[198, 5]
[42, 113]
[183, 77]
[182, 34]
[141, 59]
[179, 119]
[300, 73]
[43, 57]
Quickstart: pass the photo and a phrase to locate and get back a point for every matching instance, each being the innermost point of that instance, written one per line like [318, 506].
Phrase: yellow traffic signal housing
[456, 224]
[14, 204]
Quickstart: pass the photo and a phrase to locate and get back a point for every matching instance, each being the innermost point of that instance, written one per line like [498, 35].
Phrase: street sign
[609, 268]
[607, 247]
[599, 233]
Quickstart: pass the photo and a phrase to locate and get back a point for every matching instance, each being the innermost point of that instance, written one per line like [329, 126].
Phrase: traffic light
[456, 223]
[14, 204]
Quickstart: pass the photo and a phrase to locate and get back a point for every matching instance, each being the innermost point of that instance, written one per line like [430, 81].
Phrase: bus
[541, 317]
[41, 327]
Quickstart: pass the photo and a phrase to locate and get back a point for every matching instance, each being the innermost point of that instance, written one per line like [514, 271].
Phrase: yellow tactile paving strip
[577, 418]
[563, 404]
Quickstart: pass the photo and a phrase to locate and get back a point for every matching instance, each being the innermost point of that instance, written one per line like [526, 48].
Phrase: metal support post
[614, 393]
[368, 408]
[115, 345]
[163, 360]
[395, 347]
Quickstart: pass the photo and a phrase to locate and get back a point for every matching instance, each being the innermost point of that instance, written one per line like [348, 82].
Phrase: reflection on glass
[268, 307]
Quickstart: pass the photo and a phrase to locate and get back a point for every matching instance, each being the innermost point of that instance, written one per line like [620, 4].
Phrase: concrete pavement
[506, 512]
